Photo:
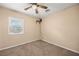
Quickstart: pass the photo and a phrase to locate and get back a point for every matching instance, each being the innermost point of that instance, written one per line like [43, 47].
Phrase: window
[16, 25]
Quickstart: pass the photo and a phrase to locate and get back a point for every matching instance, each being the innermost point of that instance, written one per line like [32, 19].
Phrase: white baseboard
[62, 47]
[16, 45]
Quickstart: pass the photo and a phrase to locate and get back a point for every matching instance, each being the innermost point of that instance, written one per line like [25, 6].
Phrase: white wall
[31, 29]
[62, 28]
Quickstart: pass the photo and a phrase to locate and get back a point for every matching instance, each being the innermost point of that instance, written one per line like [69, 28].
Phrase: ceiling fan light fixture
[34, 6]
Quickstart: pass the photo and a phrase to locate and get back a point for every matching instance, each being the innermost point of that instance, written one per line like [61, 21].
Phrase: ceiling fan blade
[27, 8]
[47, 10]
[36, 11]
[33, 3]
[45, 7]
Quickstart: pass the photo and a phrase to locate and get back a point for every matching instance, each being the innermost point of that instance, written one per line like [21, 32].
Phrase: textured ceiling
[54, 7]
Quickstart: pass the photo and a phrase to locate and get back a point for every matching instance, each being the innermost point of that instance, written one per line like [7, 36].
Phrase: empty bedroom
[39, 29]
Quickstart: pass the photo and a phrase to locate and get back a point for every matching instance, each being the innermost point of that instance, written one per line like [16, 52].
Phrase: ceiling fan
[36, 6]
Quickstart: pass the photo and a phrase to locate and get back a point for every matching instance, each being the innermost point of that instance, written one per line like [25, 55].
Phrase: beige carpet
[37, 48]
